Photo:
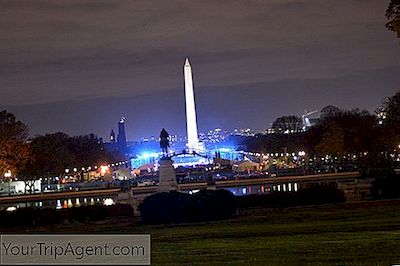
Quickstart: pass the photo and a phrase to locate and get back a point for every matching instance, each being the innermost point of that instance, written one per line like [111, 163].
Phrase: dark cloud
[253, 105]
[52, 51]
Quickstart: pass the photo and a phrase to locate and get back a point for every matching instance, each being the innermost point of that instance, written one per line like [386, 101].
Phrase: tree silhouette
[393, 16]
[13, 148]
[289, 123]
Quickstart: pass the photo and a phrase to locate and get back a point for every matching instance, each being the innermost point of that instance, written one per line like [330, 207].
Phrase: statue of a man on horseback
[164, 141]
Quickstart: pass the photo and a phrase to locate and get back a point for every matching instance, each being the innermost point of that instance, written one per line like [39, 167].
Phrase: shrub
[46, 216]
[314, 195]
[119, 210]
[177, 207]
[214, 204]
[386, 186]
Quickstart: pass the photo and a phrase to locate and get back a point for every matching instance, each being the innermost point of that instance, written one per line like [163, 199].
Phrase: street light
[8, 175]
[104, 169]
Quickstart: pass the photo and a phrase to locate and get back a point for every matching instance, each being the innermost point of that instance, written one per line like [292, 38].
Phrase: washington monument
[191, 122]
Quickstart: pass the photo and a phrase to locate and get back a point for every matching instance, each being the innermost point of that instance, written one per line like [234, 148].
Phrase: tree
[352, 130]
[393, 16]
[390, 128]
[13, 148]
[49, 157]
[289, 123]
[333, 142]
[392, 109]
[88, 150]
[51, 154]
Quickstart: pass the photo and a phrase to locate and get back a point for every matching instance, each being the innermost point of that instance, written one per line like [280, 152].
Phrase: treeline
[371, 138]
[47, 155]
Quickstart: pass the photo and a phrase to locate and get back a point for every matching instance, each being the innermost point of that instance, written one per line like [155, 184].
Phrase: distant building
[329, 110]
[246, 132]
[112, 136]
[118, 144]
[287, 124]
[121, 139]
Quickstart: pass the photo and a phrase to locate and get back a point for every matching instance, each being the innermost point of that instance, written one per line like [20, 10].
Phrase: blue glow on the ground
[224, 152]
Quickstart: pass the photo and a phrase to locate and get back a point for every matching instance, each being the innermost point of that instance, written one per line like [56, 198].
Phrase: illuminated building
[112, 136]
[121, 139]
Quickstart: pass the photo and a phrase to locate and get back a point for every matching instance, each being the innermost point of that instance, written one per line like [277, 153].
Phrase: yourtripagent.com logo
[75, 249]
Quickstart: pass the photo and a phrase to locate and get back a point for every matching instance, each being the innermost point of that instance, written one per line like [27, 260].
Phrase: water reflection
[261, 189]
[59, 203]
[76, 202]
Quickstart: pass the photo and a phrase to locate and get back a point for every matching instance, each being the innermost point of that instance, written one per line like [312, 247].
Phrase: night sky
[78, 66]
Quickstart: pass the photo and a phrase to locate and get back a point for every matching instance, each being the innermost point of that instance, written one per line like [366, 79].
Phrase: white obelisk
[191, 123]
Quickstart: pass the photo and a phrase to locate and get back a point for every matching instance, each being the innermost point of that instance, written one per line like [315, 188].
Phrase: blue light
[148, 155]
[226, 149]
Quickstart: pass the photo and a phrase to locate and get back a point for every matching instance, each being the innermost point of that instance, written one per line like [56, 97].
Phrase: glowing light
[11, 209]
[104, 169]
[194, 191]
[7, 174]
[225, 149]
[148, 155]
[108, 202]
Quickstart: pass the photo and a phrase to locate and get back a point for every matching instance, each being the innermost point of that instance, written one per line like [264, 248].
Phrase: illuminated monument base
[167, 175]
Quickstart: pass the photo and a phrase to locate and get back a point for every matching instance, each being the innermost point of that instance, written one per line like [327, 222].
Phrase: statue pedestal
[167, 175]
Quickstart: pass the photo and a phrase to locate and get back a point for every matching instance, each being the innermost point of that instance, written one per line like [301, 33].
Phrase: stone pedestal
[167, 175]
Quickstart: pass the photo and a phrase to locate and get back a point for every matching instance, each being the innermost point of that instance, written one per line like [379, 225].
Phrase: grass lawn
[365, 233]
